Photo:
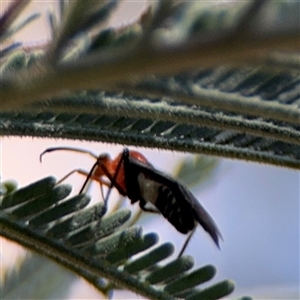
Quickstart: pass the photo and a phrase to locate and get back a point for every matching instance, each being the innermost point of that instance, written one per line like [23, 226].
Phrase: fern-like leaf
[88, 242]
[186, 76]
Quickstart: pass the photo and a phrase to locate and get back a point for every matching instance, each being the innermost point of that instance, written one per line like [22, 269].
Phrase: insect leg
[86, 174]
[79, 171]
[88, 177]
[113, 179]
[186, 242]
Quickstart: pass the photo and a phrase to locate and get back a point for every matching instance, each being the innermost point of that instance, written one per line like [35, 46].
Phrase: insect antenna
[68, 149]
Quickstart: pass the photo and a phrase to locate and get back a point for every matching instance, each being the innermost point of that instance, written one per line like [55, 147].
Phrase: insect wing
[174, 200]
[202, 216]
[132, 169]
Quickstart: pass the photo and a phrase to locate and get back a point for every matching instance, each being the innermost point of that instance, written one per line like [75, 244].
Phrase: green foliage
[7, 187]
[196, 171]
[90, 243]
[185, 76]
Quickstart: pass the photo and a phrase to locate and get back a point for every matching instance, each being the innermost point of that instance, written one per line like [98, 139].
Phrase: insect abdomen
[177, 212]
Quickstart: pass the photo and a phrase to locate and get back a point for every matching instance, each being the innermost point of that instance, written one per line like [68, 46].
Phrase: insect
[135, 177]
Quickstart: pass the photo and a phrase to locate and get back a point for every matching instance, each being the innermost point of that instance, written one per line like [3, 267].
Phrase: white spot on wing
[149, 188]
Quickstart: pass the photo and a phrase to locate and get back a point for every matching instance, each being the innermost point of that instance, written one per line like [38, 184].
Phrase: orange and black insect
[135, 177]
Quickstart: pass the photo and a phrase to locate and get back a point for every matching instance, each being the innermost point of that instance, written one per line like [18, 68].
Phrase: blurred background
[255, 206]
